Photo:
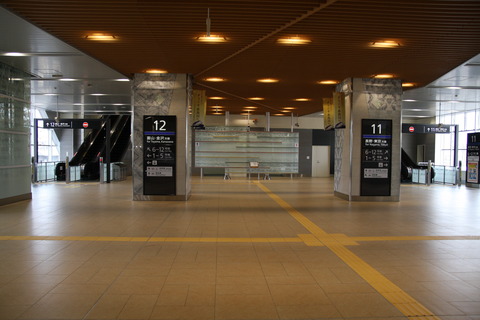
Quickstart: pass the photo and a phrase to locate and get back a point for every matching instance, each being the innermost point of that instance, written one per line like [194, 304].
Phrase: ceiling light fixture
[302, 99]
[214, 79]
[383, 76]
[155, 71]
[250, 107]
[216, 98]
[408, 84]
[256, 98]
[385, 44]
[328, 82]
[208, 37]
[289, 108]
[267, 80]
[294, 40]
[98, 36]
[15, 54]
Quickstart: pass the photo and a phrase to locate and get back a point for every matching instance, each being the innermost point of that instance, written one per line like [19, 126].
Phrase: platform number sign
[159, 155]
[473, 159]
[376, 157]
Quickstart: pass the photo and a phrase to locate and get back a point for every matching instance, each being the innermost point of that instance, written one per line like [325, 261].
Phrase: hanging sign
[328, 114]
[339, 107]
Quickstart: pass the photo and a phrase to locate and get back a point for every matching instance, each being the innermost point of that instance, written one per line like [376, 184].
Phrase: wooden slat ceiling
[435, 35]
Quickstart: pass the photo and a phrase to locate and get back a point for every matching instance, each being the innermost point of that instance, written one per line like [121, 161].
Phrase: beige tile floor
[285, 249]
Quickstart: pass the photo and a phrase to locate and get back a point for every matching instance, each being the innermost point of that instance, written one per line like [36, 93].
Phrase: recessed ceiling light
[213, 38]
[268, 80]
[287, 111]
[216, 98]
[328, 82]
[217, 113]
[217, 107]
[385, 44]
[98, 36]
[408, 84]
[302, 99]
[214, 79]
[156, 71]
[384, 76]
[250, 107]
[289, 108]
[278, 114]
[294, 40]
[256, 98]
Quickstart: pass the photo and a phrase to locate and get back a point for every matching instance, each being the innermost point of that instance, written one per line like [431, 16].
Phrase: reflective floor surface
[240, 249]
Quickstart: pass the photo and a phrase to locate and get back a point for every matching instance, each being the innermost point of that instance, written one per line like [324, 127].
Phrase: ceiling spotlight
[256, 98]
[385, 44]
[408, 84]
[216, 98]
[267, 80]
[100, 37]
[251, 107]
[328, 82]
[294, 40]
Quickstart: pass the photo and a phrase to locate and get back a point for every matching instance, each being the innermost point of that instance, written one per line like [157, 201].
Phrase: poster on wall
[339, 107]
[376, 157]
[159, 155]
[328, 114]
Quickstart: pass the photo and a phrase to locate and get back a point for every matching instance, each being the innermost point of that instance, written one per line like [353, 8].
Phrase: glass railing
[445, 174]
[46, 171]
[419, 176]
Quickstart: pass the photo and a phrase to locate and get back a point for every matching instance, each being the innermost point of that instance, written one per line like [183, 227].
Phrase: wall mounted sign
[159, 155]
[376, 157]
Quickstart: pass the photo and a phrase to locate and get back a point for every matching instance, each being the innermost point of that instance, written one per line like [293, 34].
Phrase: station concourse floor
[240, 249]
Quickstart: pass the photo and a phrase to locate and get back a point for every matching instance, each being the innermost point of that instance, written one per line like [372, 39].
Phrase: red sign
[85, 125]
[411, 129]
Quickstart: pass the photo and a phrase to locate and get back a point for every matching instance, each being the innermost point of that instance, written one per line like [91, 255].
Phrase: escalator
[94, 146]
[407, 167]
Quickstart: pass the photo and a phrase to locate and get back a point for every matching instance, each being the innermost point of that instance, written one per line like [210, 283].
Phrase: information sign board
[473, 158]
[159, 155]
[376, 157]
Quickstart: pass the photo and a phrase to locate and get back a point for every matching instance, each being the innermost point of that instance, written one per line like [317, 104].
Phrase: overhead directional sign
[425, 128]
[69, 123]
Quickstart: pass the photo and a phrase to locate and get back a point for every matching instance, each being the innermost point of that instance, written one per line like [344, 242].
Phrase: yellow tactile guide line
[399, 298]
[318, 237]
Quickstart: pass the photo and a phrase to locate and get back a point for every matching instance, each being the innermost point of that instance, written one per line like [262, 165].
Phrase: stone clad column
[162, 95]
[367, 150]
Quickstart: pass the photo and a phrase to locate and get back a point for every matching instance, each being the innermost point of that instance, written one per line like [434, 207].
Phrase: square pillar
[367, 150]
[162, 95]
